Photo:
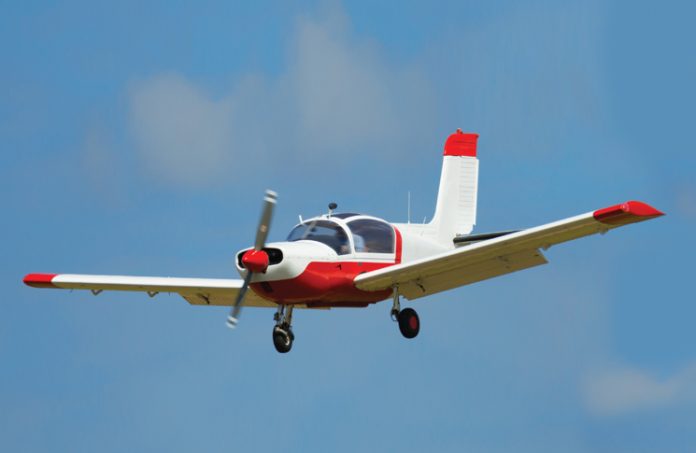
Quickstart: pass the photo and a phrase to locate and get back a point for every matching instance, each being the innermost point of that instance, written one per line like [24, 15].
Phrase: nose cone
[255, 260]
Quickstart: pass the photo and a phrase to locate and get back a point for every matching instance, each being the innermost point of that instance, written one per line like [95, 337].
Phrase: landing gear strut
[409, 323]
[282, 331]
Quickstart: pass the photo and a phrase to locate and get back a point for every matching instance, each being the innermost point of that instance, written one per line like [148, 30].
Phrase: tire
[282, 340]
[409, 323]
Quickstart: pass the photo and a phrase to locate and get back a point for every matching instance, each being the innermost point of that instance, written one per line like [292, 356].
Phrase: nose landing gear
[282, 331]
[409, 323]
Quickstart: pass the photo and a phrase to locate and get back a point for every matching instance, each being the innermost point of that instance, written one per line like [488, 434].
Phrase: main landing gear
[409, 324]
[282, 332]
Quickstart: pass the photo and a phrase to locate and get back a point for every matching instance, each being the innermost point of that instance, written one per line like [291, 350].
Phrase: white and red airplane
[353, 260]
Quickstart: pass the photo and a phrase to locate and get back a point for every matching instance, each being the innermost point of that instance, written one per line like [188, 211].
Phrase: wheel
[282, 339]
[409, 324]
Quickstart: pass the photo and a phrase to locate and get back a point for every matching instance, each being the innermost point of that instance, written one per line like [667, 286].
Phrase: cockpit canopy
[347, 233]
[324, 231]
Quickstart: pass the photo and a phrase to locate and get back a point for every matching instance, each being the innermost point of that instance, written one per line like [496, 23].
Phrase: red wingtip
[629, 212]
[39, 280]
[461, 144]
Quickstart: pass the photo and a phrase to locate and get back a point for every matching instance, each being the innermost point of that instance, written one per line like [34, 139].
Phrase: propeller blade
[233, 318]
[265, 222]
[269, 202]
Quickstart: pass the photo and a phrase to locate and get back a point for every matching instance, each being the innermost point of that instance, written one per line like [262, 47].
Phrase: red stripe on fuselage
[324, 284]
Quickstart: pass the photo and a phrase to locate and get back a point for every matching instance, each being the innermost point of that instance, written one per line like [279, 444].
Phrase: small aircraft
[354, 260]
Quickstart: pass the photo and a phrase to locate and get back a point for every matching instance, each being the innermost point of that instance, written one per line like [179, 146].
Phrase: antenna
[332, 206]
[408, 218]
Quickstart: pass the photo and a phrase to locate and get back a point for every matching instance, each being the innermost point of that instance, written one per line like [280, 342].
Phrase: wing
[498, 256]
[197, 291]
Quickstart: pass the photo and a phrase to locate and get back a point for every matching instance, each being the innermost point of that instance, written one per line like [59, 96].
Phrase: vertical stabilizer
[455, 212]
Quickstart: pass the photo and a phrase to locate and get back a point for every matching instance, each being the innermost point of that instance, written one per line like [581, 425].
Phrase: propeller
[254, 260]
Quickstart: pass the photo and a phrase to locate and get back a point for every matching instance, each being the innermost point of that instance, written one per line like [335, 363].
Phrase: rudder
[455, 211]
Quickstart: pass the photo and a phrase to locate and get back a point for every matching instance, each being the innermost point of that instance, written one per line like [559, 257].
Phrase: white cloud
[625, 390]
[340, 96]
[183, 135]
[99, 163]
[343, 91]
[336, 95]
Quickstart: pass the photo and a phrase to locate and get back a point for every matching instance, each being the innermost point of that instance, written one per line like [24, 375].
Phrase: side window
[372, 236]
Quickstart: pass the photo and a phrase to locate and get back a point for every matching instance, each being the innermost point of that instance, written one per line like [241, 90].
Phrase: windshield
[372, 236]
[323, 231]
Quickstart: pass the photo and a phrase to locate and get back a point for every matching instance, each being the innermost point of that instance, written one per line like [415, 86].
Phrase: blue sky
[138, 139]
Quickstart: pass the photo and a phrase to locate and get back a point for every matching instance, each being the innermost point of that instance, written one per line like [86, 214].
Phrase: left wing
[197, 291]
[498, 256]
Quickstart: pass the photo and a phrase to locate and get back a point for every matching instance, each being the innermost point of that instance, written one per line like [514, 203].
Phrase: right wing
[498, 256]
[197, 291]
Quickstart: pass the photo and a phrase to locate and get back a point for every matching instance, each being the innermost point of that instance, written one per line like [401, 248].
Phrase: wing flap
[472, 273]
[226, 299]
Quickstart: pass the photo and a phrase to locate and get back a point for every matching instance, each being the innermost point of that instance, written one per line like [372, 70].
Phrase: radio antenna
[408, 218]
[332, 206]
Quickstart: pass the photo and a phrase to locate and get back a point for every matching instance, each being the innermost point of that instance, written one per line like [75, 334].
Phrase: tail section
[455, 212]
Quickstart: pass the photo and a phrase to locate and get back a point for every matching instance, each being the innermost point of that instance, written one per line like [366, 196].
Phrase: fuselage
[318, 262]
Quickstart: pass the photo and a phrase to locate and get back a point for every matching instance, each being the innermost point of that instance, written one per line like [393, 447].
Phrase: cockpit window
[323, 231]
[372, 236]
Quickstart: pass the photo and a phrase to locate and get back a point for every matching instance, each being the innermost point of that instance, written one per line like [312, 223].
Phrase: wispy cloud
[337, 93]
[101, 165]
[625, 390]
[182, 134]
[345, 92]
